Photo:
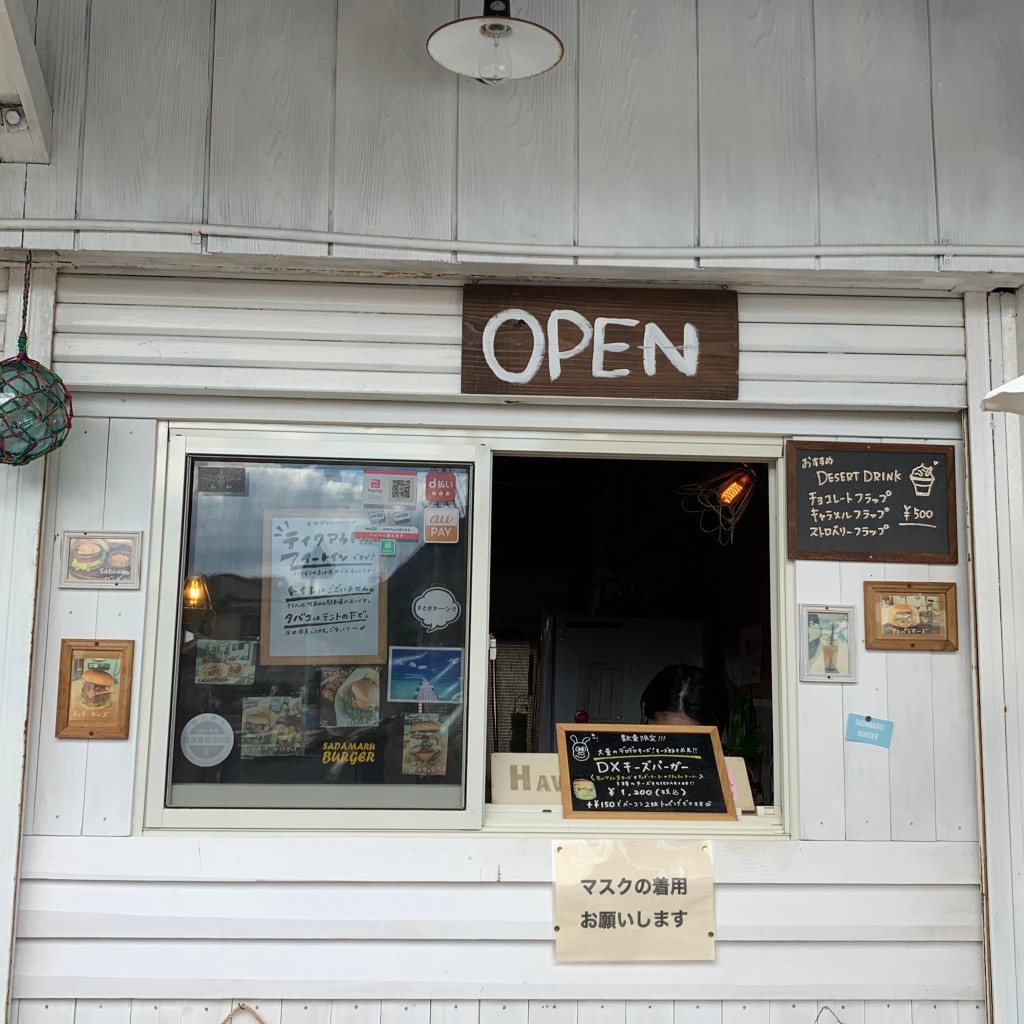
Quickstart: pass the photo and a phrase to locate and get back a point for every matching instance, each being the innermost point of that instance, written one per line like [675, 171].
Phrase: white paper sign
[322, 595]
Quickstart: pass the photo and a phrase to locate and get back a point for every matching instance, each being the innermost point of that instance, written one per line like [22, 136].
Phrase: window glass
[322, 636]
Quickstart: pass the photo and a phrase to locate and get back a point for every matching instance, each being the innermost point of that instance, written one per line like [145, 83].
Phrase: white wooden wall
[875, 906]
[152, 334]
[669, 123]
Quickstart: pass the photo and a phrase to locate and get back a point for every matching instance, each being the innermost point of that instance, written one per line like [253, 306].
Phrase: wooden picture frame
[910, 616]
[94, 689]
[101, 561]
[828, 643]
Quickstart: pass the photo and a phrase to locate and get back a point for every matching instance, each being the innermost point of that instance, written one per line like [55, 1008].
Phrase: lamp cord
[23, 337]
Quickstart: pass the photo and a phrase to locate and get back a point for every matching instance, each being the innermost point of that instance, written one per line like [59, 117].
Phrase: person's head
[683, 695]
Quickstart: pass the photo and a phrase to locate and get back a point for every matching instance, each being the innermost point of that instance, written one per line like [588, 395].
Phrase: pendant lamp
[496, 47]
[35, 406]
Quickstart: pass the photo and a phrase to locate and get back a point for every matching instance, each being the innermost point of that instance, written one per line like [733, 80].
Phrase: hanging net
[35, 407]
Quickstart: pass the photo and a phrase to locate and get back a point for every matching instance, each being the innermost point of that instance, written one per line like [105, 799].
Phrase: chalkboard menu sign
[665, 771]
[871, 502]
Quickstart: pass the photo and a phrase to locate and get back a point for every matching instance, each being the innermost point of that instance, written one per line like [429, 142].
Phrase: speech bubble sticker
[436, 608]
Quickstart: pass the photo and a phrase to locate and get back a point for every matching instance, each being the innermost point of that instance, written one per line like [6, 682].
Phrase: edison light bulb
[495, 63]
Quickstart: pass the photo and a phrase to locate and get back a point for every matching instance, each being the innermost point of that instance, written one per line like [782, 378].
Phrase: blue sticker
[868, 729]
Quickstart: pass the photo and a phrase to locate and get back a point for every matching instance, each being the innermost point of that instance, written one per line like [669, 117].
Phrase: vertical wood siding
[738, 122]
[510, 1011]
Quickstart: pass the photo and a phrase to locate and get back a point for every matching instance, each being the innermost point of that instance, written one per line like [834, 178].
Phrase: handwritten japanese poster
[633, 901]
[324, 600]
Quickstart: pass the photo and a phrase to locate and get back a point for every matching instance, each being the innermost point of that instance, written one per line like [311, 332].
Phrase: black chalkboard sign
[666, 771]
[871, 502]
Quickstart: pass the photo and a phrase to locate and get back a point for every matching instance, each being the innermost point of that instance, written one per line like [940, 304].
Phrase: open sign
[601, 342]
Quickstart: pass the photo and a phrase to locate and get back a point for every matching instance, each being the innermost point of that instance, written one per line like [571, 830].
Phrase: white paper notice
[625, 901]
[322, 595]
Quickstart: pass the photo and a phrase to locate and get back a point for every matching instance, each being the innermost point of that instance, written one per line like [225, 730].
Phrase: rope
[23, 337]
[239, 1009]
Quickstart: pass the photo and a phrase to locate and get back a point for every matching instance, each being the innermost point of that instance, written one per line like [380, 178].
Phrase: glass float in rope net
[35, 410]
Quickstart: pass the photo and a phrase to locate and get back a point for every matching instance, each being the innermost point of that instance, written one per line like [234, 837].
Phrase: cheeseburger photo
[87, 556]
[97, 687]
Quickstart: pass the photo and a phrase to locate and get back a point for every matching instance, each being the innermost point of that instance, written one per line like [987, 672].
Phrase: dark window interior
[600, 577]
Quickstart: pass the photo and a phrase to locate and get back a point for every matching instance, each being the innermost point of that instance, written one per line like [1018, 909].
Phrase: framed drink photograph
[910, 616]
[101, 560]
[827, 643]
[94, 689]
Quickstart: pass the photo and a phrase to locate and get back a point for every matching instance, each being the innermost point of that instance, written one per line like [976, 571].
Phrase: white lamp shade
[457, 45]
[1008, 397]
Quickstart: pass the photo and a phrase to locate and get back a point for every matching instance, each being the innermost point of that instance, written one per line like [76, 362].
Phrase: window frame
[477, 448]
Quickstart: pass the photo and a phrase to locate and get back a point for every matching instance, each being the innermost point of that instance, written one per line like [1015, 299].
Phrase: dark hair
[686, 689]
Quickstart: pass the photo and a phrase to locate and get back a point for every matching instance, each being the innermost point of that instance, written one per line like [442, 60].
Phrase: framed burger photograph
[101, 560]
[910, 616]
[94, 689]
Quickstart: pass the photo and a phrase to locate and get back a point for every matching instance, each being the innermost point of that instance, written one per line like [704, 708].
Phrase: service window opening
[600, 578]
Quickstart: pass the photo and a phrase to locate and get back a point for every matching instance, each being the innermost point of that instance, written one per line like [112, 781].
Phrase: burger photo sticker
[101, 560]
[425, 745]
[94, 689]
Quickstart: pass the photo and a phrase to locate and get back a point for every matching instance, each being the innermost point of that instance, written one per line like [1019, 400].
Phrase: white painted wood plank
[818, 394]
[405, 1011]
[563, 1011]
[60, 774]
[12, 199]
[152, 1011]
[268, 1009]
[46, 1011]
[927, 1011]
[505, 1011]
[703, 1012]
[294, 1011]
[103, 1011]
[971, 1012]
[422, 299]
[749, 1011]
[978, 80]
[792, 1011]
[601, 1011]
[359, 1011]
[767, 970]
[462, 1011]
[953, 693]
[922, 342]
[145, 118]
[421, 357]
[915, 370]
[197, 379]
[887, 1012]
[253, 323]
[394, 144]
[50, 189]
[207, 1011]
[270, 138]
[516, 144]
[638, 123]
[644, 1011]
[820, 768]
[867, 766]
[472, 859]
[912, 754]
[758, 170]
[510, 912]
[858, 310]
[23, 77]
[876, 180]
[128, 496]
[849, 1012]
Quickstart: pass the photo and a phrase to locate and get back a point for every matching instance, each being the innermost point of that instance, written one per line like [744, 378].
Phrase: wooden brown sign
[600, 342]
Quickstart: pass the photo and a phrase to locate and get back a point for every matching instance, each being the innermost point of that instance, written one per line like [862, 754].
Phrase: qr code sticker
[401, 488]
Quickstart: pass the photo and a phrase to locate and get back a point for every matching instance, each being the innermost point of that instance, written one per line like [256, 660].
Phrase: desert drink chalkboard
[871, 502]
[662, 771]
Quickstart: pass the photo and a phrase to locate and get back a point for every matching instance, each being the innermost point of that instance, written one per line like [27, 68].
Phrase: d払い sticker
[440, 488]
[436, 608]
